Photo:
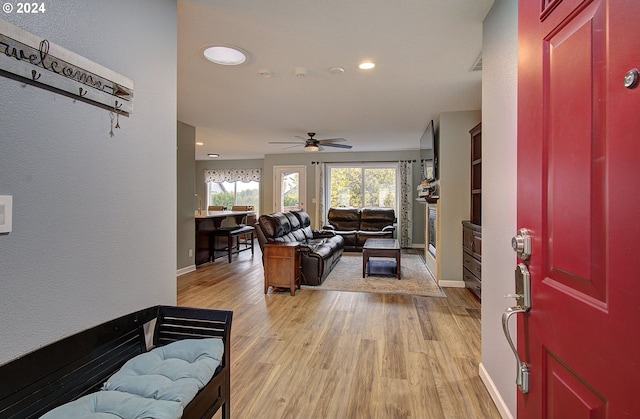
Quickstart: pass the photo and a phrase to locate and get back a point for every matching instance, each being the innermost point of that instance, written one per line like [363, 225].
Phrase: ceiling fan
[313, 144]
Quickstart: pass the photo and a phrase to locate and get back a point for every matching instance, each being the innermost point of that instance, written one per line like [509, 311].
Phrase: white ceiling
[424, 52]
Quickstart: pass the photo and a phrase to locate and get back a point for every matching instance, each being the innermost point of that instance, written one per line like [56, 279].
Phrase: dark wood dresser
[472, 257]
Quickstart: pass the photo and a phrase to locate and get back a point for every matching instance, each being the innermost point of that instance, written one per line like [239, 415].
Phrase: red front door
[579, 195]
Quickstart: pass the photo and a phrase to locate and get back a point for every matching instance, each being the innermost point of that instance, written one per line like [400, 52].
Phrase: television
[429, 150]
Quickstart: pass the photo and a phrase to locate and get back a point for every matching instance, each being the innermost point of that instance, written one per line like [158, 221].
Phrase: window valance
[232, 175]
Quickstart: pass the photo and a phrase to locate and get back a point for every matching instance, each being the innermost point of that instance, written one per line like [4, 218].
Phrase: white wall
[94, 216]
[499, 133]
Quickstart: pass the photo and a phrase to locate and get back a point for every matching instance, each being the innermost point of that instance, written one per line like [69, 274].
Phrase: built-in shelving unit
[476, 174]
[472, 230]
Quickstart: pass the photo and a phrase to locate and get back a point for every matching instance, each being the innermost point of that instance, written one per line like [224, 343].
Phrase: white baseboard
[447, 283]
[493, 392]
[185, 270]
[417, 245]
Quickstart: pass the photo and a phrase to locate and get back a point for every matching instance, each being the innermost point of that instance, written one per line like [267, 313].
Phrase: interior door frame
[277, 192]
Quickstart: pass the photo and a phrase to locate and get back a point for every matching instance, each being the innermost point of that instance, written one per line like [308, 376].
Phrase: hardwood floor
[330, 354]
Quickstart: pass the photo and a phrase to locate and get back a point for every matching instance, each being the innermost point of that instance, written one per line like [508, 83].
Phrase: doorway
[290, 188]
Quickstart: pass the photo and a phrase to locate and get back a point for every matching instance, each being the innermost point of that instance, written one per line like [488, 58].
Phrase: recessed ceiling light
[199, 143]
[213, 155]
[367, 65]
[225, 55]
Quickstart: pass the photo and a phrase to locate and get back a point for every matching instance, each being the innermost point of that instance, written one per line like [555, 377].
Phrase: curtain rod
[363, 162]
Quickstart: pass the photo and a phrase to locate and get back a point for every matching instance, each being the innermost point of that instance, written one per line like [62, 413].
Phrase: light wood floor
[329, 354]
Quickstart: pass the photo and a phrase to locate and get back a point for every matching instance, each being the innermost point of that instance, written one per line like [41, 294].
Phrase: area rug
[347, 276]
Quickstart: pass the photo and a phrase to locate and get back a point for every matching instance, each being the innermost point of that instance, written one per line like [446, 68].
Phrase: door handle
[523, 300]
[522, 377]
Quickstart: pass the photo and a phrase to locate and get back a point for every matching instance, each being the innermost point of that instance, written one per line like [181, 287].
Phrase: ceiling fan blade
[330, 140]
[293, 146]
[302, 138]
[285, 142]
[336, 145]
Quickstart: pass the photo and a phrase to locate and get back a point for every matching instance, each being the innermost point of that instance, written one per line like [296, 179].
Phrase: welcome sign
[45, 64]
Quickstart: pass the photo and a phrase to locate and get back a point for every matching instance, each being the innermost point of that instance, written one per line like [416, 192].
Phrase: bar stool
[234, 232]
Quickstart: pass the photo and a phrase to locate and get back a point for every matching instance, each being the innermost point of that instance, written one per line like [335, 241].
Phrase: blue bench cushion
[174, 372]
[115, 404]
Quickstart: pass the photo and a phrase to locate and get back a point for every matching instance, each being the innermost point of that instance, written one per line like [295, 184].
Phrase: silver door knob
[521, 243]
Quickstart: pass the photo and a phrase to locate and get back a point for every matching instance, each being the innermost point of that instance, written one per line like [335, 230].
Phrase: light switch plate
[6, 204]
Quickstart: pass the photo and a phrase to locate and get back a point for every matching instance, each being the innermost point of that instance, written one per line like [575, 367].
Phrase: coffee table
[382, 248]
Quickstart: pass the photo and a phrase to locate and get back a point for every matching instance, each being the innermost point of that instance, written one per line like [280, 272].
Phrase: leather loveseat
[320, 250]
[357, 225]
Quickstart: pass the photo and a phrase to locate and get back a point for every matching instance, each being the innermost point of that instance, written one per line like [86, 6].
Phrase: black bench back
[72, 367]
[79, 364]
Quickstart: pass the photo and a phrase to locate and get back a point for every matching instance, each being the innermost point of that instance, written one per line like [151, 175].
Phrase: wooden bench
[77, 365]
[231, 233]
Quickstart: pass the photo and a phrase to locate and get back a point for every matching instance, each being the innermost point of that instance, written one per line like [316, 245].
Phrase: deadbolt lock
[521, 243]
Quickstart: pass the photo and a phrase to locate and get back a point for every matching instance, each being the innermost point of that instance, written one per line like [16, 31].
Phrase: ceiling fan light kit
[312, 145]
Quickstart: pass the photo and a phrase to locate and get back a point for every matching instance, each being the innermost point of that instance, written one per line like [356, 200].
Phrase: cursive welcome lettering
[39, 62]
[18, 54]
[42, 58]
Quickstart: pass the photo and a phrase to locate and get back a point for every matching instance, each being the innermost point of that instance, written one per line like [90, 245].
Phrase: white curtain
[320, 173]
[406, 203]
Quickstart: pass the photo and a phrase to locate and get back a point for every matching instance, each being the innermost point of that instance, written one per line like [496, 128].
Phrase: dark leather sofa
[320, 250]
[357, 225]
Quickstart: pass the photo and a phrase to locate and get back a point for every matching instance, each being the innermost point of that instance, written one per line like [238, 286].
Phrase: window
[229, 187]
[229, 194]
[362, 185]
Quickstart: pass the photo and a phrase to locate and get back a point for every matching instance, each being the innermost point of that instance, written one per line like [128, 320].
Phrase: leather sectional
[320, 249]
[356, 225]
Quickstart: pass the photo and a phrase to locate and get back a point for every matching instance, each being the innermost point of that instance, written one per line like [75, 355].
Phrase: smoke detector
[336, 70]
[300, 72]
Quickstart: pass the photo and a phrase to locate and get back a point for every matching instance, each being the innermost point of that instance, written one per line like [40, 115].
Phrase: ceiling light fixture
[311, 147]
[199, 143]
[213, 155]
[367, 65]
[225, 55]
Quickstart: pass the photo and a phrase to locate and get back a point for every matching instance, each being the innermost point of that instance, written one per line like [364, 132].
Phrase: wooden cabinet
[476, 174]
[472, 257]
[281, 266]
[472, 230]
[204, 240]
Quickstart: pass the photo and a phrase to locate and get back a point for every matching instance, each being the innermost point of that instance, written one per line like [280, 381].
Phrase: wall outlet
[6, 207]
[190, 253]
